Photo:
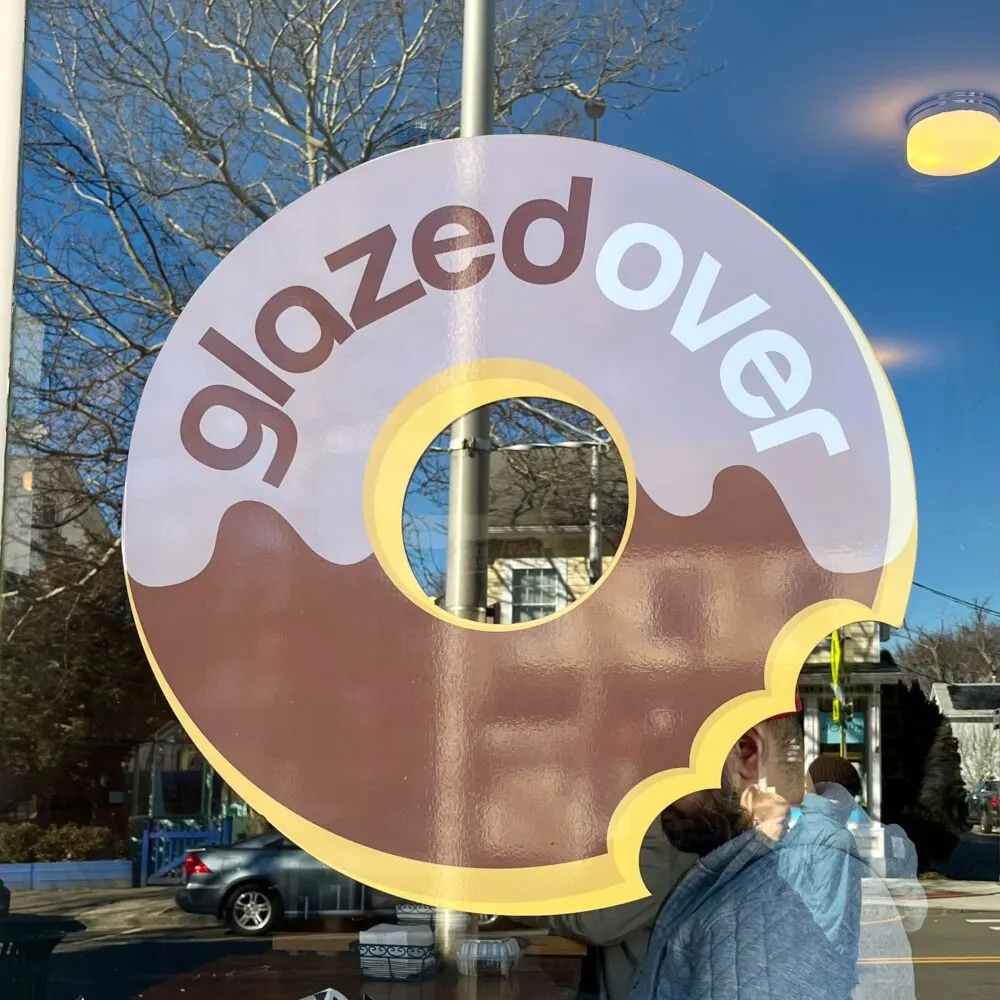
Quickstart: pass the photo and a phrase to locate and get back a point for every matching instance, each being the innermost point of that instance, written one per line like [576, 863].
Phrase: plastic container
[488, 956]
[414, 913]
[397, 952]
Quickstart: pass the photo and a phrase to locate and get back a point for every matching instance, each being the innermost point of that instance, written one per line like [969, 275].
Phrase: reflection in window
[157, 135]
[534, 594]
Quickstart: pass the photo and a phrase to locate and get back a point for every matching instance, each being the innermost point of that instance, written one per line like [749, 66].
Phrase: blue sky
[804, 123]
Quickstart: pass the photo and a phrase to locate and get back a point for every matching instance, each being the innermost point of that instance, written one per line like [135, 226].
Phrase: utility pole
[469, 442]
[595, 537]
[594, 107]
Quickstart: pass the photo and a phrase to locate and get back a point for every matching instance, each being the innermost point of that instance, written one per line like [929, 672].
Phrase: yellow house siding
[570, 552]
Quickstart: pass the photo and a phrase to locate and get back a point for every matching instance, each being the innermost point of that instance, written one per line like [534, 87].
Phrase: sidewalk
[110, 911]
[951, 894]
[123, 911]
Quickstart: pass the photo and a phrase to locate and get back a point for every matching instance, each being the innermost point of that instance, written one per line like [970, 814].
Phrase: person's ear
[746, 756]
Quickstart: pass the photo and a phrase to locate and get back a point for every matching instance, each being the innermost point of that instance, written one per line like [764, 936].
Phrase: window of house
[535, 593]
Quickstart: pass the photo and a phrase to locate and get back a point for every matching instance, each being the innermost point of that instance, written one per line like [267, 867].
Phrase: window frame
[507, 568]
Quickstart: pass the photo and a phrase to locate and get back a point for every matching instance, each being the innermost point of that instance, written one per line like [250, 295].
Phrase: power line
[957, 600]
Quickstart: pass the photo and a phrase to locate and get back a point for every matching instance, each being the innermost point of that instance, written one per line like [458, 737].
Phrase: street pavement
[110, 911]
[956, 954]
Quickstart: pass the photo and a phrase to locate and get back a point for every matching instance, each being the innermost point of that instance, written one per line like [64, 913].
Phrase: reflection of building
[176, 788]
[48, 506]
[868, 677]
[540, 527]
[973, 712]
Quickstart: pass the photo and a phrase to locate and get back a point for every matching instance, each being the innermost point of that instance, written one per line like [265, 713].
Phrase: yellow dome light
[953, 134]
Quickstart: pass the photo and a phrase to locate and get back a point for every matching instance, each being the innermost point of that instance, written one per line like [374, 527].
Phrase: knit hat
[829, 767]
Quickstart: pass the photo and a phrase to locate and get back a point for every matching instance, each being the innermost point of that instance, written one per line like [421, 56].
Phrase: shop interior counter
[534, 941]
[288, 976]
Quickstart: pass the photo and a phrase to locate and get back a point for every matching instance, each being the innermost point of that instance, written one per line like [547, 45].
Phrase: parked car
[256, 884]
[984, 805]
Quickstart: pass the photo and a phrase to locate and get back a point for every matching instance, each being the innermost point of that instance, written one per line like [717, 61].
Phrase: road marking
[980, 920]
[934, 960]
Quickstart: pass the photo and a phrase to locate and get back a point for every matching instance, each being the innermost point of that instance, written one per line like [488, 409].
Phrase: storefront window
[155, 137]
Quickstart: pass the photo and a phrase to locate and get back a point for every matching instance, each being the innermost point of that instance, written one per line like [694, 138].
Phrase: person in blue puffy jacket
[885, 967]
[756, 918]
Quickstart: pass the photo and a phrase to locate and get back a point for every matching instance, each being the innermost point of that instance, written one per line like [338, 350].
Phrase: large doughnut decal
[513, 769]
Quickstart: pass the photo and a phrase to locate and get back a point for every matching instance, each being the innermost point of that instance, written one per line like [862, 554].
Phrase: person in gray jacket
[617, 937]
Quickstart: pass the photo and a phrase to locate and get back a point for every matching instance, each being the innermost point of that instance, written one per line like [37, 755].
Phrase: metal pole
[469, 481]
[595, 541]
[12, 40]
[595, 108]
[478, 76]
[13, 30]
[468, 515]
[843, 708]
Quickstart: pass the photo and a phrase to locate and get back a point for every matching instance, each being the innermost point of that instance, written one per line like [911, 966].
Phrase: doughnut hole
[557, 512]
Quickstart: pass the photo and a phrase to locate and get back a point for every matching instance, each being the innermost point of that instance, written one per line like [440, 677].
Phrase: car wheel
[986, 827]
[253, 910]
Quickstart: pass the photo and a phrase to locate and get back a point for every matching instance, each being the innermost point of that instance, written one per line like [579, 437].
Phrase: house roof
[550, 489]
[974, 697]
[966, 700]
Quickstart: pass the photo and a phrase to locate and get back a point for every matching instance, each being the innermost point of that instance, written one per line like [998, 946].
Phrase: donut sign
[504, 769]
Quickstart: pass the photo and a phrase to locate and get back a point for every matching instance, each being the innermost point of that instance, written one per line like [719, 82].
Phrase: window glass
[156, 136]
[535, 593]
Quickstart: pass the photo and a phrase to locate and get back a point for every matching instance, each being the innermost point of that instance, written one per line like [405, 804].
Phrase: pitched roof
[966, 700]
[974, 697]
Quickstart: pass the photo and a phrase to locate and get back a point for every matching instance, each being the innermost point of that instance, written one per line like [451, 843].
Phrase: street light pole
[469, 441]
[594, 106]
[469, 445]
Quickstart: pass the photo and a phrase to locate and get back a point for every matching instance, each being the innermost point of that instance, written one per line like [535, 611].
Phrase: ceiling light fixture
[953, 134]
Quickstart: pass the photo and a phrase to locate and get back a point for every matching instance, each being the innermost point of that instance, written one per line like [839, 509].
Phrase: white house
[973, 711]
[868, 678]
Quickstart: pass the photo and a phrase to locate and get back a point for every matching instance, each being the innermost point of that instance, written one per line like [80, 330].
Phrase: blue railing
[164, 851]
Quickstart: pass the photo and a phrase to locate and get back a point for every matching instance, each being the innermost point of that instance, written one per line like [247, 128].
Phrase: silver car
[256, 884]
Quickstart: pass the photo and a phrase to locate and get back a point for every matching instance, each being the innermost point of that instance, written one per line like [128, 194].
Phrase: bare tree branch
[159, 133]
